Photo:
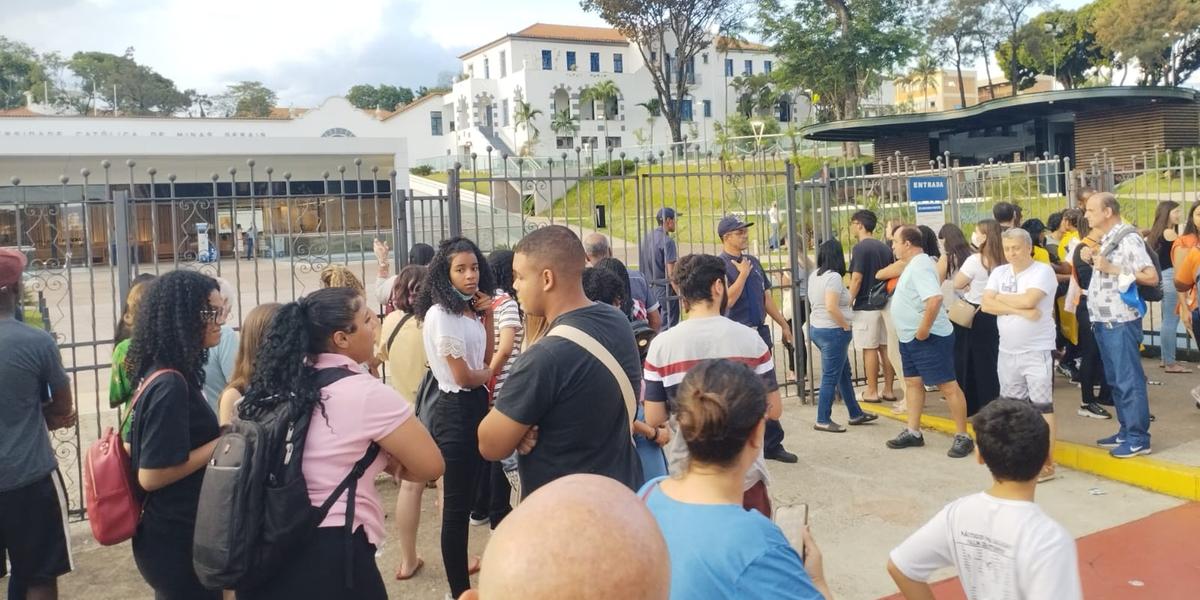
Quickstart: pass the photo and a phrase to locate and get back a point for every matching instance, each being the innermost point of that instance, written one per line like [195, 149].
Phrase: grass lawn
[484, 188]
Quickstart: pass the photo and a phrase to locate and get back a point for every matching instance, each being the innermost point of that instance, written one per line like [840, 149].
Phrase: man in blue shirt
[926, 343]
[656, 260]
[749, 303]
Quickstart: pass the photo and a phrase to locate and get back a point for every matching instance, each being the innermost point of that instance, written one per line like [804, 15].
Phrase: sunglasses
[211, 315]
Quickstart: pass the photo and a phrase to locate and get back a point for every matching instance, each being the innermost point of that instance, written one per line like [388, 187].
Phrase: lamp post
[758, 126]
[1053, 30]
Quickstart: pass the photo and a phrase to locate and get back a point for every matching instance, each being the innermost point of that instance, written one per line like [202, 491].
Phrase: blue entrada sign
[927, 189]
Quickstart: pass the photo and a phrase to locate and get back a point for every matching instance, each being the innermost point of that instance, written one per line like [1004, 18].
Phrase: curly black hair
[437, 289]
[501, 262]
[299, 330]
[616, 267]
[601, 285]
[170, 330]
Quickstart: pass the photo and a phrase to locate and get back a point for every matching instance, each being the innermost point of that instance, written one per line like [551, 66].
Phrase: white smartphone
[793, 519]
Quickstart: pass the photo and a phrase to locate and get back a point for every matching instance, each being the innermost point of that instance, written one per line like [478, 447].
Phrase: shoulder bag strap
[396, 332]
[145, 383]
[602, 354]
[350, 486]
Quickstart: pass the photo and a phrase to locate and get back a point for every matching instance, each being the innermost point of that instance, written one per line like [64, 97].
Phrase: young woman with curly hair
[456, 314]
[173, 430]
[334, 328]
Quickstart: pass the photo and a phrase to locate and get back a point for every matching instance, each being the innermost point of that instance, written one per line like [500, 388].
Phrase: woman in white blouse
[457, 328]
[975, 364]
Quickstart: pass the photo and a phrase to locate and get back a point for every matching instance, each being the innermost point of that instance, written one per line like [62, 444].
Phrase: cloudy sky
[306, 50]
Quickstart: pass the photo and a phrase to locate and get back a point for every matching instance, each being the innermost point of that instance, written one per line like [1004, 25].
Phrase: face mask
[977, 239]
[467, 297]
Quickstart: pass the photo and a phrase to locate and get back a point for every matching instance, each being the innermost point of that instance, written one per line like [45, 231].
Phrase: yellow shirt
[1040, 254]
[405, 359]
[1065, 243]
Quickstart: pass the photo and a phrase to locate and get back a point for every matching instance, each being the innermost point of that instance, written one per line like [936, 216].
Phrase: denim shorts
[932, 360]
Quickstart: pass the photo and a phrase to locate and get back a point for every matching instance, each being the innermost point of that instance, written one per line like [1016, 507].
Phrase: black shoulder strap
[328, 376]
[396, 332]
[350, 486]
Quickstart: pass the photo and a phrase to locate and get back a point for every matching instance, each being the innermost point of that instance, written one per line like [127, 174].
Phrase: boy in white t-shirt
[1002, 544]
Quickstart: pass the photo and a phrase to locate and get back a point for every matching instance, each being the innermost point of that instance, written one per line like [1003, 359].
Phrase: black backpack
[254, 511]
[1149, 293]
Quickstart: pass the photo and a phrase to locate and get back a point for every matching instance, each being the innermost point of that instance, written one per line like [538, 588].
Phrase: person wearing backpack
[173, 429]
[33, 533]
[402, 350]
[335, 330]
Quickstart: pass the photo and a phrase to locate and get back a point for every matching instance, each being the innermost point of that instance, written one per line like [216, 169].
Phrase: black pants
[33, 535]
[978, 350]
[492, 494]
[1091, 367]
[164, 558]
[455, 428]
[317, 570]
[773, 438]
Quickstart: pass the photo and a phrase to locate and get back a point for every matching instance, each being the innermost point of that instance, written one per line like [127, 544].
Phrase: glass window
[503, 63]
[564, 143]
[767, 66]
[748, 68]
[612, 142]
[729, 67]
[487, 70]
[704, 58]
[594, 59]
[570, 60]
[707, 108]
[690, 70]
[504, 112]
[685, 110]
[547, 60]
[618, 63]
[435, 122]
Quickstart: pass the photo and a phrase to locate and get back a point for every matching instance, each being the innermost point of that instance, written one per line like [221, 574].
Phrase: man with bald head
[596, 246]
[582, 537]
[560, 398]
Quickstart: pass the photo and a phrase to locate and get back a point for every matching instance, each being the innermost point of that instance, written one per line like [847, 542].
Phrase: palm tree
[606, 92]
[524, 116]
[564, 124]
[925, 75]
[653, 106]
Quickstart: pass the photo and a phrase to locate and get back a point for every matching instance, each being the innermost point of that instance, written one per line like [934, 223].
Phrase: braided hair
[170, 329]
[300, 329]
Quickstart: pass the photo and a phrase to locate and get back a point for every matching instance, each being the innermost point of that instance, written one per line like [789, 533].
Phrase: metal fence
[90, 234]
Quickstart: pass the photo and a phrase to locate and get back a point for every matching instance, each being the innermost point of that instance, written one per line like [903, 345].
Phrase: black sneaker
[782, 456]
[906, 440]
[1092, 410]
[963, 446]
[1068, 370]
[864, 418]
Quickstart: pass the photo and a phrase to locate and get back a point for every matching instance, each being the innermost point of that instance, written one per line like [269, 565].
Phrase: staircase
[497, 144]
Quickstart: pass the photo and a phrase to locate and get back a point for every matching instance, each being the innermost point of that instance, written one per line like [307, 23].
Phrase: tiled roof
[283, 112]
[412, 105]
[735, 44]
[547, 31]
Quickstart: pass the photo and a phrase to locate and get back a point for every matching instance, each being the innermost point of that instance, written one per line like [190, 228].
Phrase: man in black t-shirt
[867, 257]
[561, 406]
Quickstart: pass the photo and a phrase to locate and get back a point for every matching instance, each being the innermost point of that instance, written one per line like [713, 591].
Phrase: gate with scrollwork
[267, 233]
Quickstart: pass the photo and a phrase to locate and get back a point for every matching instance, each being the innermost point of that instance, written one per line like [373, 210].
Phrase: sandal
[870, 400]
[863, 419]
[889, 398]
[417, 569]
[1047, 474]
[1176, 368]
[829, 427]
[900, 408]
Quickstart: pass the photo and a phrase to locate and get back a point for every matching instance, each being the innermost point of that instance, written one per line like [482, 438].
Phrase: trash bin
[598, 216]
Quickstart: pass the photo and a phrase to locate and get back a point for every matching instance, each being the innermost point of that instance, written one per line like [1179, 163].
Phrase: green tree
[1163, 36]
[248, 99]
[605, 93]
[684, 24]
[563, 124]
[955, 28]
[653, 108]
[757, 94]
[20, 72]
[923, 77]
[524, 116]
[1062, 43]
[833, 46]
[386, 97]
[1013, 13]
[126, 86]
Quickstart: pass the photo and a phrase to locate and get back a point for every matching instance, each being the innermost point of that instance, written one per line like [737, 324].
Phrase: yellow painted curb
[1164, 477]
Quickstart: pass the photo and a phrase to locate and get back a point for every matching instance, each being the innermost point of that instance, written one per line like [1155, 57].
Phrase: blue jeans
[1118, 345]
[1170, 318]
[835, 371]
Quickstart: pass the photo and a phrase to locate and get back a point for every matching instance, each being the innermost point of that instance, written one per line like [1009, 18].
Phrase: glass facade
[1026, 140]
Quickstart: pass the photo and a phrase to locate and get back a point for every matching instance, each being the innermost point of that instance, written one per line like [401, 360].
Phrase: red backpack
[114, 499]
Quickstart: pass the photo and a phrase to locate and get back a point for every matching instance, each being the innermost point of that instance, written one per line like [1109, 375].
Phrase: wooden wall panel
[1127, 132]
[915, 147]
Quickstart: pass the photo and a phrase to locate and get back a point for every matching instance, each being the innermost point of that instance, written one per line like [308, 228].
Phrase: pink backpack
[114, 499]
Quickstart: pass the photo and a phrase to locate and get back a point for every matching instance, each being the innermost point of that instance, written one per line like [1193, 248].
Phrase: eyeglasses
[211, 315]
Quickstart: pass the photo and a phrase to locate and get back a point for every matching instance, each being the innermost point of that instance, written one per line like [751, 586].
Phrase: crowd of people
[619, 405]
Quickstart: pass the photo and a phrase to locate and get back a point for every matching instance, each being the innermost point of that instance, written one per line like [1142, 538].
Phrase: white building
[548, 66]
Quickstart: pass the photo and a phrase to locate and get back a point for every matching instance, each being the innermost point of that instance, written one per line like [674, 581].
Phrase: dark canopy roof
[1001, 111]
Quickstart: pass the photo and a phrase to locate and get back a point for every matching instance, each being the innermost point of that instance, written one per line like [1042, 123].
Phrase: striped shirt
[675, 351]
[506, 314]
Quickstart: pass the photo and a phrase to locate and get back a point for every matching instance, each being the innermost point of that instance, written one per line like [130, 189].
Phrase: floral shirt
[1104, 293]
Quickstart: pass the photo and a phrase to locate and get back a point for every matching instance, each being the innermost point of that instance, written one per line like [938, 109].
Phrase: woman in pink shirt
[335, 329]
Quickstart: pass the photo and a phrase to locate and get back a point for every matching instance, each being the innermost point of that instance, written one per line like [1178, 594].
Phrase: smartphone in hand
[793, 520]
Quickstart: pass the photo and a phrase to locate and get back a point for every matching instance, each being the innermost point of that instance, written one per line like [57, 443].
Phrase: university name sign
[125, 133]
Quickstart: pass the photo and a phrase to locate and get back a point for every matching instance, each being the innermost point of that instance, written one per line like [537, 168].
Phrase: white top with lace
[454, 335]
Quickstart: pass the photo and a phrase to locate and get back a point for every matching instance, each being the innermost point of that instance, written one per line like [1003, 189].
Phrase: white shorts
[869, 331]
[1028, 376]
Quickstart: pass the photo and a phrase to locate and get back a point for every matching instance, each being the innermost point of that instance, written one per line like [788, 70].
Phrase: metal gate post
[454, 199]
[826, 223]
[400, 228]
[793, 242]
[121, 221]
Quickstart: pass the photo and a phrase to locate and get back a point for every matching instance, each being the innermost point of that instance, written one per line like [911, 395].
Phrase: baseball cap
[12, 264]
[731, 223]
[667, 213]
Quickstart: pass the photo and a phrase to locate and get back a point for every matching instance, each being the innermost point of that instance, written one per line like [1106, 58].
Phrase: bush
[614, 168]
[421, 170]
